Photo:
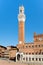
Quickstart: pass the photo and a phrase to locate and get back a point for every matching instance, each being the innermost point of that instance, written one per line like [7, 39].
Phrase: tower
[21, 19]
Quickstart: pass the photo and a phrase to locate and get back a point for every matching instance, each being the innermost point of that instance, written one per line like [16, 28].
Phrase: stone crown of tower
[21, 15]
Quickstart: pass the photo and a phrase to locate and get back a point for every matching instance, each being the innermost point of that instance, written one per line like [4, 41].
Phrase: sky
[9, 10]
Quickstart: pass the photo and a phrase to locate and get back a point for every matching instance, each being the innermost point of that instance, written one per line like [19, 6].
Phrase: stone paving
[8, 62]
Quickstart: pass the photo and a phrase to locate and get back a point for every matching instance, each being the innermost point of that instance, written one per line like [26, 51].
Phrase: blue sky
[9, 22]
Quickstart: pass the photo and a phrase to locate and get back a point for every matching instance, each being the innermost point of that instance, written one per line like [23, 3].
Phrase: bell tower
[21, 19]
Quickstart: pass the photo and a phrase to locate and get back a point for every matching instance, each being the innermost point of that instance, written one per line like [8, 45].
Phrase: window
[2, 52]
[23, 58]
[39, 45]
[33, 59]
[35, 45]
[36, 59]
[29, 46]
[32, 53]
[32, 46]
[39, 59]
[36, 53]
[26, 46]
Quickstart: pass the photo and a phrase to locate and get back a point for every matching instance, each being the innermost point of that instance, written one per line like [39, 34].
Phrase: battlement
[38, 37]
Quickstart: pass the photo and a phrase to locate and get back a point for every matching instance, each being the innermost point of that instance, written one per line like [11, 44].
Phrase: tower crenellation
[21, 15]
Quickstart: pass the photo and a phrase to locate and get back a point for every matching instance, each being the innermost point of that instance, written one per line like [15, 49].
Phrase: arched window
[26, 53]
[32, 53]
[39, 59]
[36, 53]
[35, 45]
[29, 46]
[32, 46]
[23, 58]
[39, 45]
[18, 57]
[32, 59]
[36, 59]
[26, 46]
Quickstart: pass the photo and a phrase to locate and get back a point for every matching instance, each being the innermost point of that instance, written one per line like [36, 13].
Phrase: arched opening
[18, 57]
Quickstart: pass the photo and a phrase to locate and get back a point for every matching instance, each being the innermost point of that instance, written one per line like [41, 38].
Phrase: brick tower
[21, 19]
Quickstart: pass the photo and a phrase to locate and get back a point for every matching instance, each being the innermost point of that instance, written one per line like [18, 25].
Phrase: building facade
[28, 52]
[24, 52]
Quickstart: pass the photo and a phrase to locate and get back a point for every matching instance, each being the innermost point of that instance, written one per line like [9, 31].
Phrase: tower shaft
[21, 32]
